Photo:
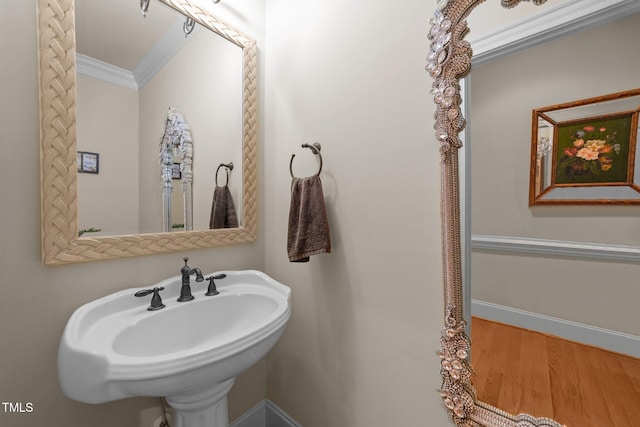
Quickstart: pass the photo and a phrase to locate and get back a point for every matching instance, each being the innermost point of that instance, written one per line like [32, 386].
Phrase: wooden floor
[522, 371]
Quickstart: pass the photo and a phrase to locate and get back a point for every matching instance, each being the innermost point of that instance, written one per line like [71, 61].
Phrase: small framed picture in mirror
[175, 171]
[88, 162]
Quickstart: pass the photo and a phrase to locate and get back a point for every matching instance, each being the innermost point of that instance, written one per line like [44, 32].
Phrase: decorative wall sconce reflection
[144, 7]
[188, 26]
[544, 147]
[176, 138]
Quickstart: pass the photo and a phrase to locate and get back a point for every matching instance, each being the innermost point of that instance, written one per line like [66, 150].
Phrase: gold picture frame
[584, 152]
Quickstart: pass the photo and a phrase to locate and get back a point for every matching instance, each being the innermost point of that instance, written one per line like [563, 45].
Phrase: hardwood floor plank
[613, 378]
[523, 371]
[632, 370]
[566, 384]
[492, 378]
[511, 387]
[536, 376]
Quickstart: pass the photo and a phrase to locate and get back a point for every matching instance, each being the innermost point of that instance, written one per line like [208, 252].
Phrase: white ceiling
[115, 32]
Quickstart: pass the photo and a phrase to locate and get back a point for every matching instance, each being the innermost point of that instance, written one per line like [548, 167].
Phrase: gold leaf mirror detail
[449, 61]
[58, 128]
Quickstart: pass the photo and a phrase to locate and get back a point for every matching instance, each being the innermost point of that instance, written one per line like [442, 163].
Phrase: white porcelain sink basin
[113, 347]
[194, 327]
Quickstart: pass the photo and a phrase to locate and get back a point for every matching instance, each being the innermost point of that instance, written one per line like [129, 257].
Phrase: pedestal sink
[188, 352]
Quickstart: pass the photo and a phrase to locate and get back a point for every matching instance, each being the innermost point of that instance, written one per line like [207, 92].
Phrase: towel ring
[315, 149]
[228, 166]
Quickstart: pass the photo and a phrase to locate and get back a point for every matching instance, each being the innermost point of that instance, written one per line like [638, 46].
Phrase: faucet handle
[156, 301]
[212, 285]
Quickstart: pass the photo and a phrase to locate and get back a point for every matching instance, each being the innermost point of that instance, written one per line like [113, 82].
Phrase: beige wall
[108, 125]
[207, 90]
[593, 292]
[360, 346]
[38, 300]
[359, 350]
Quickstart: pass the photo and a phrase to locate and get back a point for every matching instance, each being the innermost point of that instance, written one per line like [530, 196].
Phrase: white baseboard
[265, 414]
[604, 338]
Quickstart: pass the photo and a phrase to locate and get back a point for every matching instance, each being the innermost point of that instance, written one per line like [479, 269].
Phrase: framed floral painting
[584, 152]
[595, 151]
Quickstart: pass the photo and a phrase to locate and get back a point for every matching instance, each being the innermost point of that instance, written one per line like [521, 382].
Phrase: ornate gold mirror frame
[59, 216]
[449, 60]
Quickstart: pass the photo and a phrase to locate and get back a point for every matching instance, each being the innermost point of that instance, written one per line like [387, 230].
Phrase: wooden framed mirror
[449, 61]
[58, 132]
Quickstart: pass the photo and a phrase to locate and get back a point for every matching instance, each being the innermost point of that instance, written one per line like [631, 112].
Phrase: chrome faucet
[185, 290]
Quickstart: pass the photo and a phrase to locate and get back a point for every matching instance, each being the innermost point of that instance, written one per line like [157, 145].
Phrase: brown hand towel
[223, 211]
[308, 226]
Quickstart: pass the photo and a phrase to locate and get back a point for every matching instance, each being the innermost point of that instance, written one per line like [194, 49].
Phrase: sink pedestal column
[204, 408]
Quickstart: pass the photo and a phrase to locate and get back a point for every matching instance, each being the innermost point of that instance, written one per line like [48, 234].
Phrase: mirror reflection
[584, 151]
[59, 151]
[129, 78]
[554, 285]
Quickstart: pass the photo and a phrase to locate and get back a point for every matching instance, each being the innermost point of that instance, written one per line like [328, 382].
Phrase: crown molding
[104, 71]
[167, 46]
[569, 17]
